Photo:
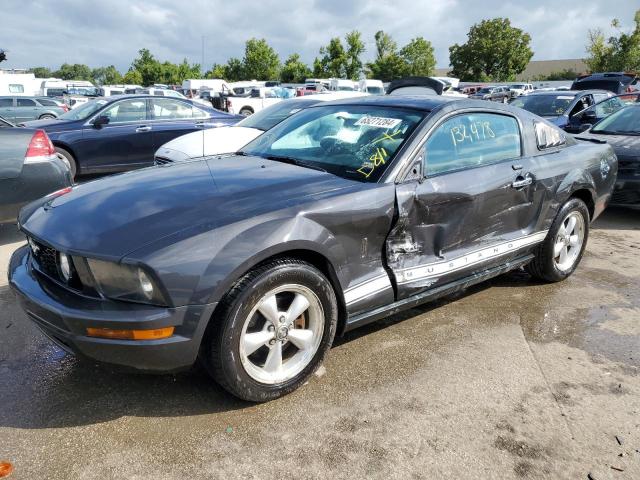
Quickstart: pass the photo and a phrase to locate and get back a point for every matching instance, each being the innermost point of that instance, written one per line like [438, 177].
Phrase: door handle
[522, 183]
[145, 128]
[516, 167]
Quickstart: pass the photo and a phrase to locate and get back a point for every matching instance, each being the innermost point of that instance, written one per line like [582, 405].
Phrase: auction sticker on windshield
[379, 122]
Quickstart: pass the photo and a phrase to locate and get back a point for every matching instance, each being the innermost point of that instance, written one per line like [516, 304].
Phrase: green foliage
[261, 62]
[566, 74]
[76, 71]
[294, 70]
[132, 77]
[618, 53]
[419, 57]
[217, 71]
[415, 58]
[234, 70]
[106, 76]
[333, 61]
[355, 48]
[41, 72]
[495, 51]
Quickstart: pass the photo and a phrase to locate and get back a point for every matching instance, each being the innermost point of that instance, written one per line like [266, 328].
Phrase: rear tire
[559, 254]
[271, 331]
[245, 112]
[46, 116]
[69, 159]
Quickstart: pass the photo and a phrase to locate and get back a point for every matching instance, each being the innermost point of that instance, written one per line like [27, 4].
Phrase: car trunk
[13, 147]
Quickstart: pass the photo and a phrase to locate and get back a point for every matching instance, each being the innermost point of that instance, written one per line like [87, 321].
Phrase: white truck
[192, 87]
[260, 98]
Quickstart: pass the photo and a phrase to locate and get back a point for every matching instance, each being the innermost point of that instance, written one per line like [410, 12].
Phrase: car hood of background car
[627, 147]
[116, 215]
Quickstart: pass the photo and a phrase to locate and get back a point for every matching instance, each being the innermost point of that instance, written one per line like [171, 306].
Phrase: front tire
[271, 331]
[245, 112]
[47, 116]
[559, 255]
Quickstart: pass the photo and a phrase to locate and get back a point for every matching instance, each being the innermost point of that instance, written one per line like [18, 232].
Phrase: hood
[627, 147]
[212, 141]
[119, 214]
[558, 120]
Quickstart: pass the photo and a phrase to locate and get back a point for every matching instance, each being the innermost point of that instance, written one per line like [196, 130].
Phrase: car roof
[419, 102]
[567, 92]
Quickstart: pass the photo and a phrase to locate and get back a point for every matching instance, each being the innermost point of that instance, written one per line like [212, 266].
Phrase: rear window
[16, 88]
[545, 105]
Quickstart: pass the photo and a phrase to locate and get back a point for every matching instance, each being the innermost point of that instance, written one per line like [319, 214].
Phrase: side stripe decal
[366, 289]
[437, 269]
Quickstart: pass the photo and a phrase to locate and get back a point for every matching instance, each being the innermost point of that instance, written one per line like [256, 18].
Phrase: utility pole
[202, 64]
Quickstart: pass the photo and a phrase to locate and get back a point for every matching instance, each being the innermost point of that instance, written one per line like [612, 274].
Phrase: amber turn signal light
[154, 334]
[5, 469]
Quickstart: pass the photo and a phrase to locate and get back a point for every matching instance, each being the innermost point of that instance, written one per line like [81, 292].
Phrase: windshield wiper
[294, 161]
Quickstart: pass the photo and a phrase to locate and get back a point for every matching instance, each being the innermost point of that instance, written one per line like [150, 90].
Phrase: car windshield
[375, 90]
[623, 122]
[352, 141]
[517, 86]
[271, 116]
[545, 105]
[83, 111]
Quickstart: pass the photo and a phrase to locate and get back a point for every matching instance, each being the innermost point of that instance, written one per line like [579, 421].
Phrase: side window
[26, 102]
[472, 140]
[16, 88]
[6, 102]
[169, 108]
[47, 103]
[548, 136]
[133, 110]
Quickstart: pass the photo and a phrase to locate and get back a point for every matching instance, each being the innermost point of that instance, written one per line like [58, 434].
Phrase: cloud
[103, 33]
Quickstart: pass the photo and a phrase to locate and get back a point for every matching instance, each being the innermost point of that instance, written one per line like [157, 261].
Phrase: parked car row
[22, 109]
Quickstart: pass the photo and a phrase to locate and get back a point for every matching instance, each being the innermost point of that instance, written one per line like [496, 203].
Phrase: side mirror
[589, 115]
[100, 121]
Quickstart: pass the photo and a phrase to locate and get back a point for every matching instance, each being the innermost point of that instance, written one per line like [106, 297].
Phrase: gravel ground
[509, 380]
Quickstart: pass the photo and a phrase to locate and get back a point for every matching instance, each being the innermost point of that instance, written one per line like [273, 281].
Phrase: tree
[333, 60]
[495, 51]
[294, 70]
[147, 66]
[566, 74]
[418, 55]
[234, 70]
[76, 71]
[41, 72]
[261, 62]
[388, 64]
[355, 48]
[217, 71]
[618, 53]
[132, 77]
[106, 75]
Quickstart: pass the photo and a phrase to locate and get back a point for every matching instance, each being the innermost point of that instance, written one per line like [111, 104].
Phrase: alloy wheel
[281, 334]
[569, 240]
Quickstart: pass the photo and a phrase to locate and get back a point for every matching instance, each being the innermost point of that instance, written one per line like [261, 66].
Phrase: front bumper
[64, 317]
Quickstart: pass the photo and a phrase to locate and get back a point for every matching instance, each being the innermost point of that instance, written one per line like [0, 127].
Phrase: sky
[110, 32]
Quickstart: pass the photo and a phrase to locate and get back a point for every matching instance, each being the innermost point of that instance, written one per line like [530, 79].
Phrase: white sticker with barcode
[379, 122]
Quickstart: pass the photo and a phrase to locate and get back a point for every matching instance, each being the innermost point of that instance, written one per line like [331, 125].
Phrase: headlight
[66, 271]
[125, 282]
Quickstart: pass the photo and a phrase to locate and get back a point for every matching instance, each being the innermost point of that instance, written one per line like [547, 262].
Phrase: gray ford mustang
[342, 214]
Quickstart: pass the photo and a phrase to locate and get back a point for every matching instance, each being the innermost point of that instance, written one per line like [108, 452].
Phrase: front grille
[625, 197]
[46, 259]
[628, 166]
[162, 161]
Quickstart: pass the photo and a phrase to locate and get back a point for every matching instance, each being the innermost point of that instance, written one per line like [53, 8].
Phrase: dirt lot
[510, 380]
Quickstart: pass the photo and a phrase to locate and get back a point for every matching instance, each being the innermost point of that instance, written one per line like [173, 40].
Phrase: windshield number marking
[375, 160]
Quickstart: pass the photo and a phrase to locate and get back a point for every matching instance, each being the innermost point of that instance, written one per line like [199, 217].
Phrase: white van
[371, 86]
[341, 85]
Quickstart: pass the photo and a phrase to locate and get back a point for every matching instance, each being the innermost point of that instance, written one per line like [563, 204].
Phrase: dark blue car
[122, 133]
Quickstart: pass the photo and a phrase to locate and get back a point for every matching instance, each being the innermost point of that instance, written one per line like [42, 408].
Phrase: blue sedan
[117, 134]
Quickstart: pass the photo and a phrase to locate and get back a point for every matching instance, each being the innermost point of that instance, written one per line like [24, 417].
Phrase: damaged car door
[472, 208]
